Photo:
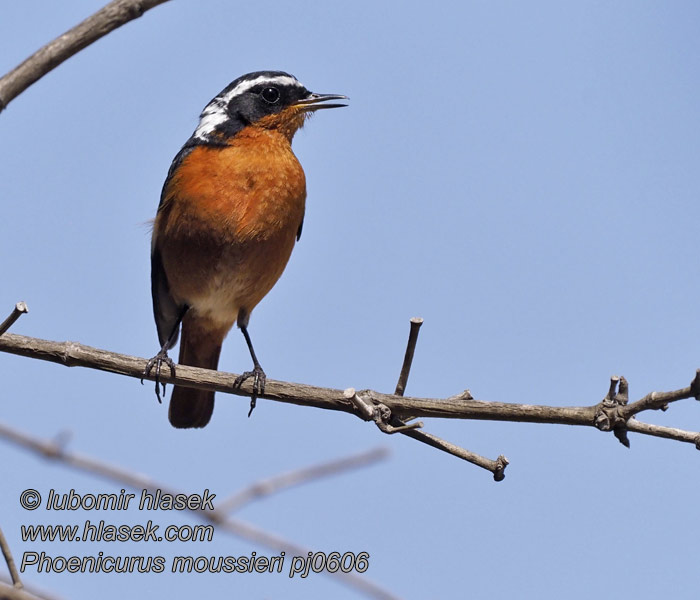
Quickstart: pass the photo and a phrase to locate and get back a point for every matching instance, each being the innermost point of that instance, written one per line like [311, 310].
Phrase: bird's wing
[166, 310]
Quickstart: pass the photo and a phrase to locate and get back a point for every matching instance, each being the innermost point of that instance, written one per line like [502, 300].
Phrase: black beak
[313, 101]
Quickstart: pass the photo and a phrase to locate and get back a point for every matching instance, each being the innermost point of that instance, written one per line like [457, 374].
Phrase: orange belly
[228, 223]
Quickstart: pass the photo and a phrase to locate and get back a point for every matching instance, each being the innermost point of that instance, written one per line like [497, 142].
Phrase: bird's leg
[157, 361]
[257, 373]
[162, 356]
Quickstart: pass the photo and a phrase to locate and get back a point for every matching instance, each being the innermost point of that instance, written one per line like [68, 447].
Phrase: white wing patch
[214, 114]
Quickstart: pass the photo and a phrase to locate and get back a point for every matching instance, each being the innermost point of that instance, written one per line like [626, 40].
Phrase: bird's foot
[157, 362]
[259, 379]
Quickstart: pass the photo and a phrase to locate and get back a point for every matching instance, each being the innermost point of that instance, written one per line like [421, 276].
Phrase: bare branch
[8, 592]
[282, 482]
[27, 592]
[52, 450]
[5, 547]
[462, 406]
[110, 17]
[612, 414]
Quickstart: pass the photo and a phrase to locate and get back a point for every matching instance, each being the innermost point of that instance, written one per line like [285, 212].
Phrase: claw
[259, 379]
[157, 362]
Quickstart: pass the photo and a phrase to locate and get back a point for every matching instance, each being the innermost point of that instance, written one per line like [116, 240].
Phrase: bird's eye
[270, 95]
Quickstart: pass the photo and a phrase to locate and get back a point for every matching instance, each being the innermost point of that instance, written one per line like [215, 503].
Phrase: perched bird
[231, 210]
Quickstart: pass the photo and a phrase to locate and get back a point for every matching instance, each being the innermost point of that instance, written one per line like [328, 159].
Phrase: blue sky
[524, 176]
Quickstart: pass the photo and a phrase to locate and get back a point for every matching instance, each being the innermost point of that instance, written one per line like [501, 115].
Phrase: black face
[265, 99]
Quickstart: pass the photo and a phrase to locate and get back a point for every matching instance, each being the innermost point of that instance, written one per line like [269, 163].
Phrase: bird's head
[267, 99]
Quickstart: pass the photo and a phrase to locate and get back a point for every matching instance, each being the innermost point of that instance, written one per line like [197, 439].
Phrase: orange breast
[228, 223]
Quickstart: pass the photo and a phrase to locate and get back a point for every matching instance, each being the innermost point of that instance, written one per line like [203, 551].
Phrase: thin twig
[416, 322]
[285, 481]
[497, 467]
[19, 310]
[656, 401]
[381, 413]
[670, 433]
[14, 573]
[110, 17]
[51, 450]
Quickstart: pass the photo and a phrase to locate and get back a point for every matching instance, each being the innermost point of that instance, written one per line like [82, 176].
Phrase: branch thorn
[18, 311]
[695, 385]
[416, 323]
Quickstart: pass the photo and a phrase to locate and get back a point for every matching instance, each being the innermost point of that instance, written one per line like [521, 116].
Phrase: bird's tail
[190, 407]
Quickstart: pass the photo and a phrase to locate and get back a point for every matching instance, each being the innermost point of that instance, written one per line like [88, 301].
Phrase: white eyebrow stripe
[244, 86]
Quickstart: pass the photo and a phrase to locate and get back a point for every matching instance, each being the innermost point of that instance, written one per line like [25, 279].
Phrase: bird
[230, 213]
